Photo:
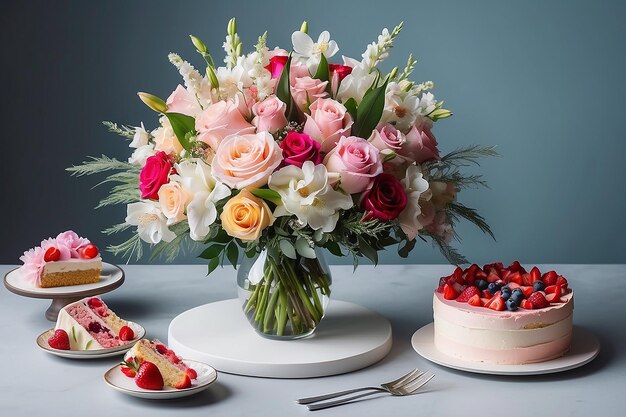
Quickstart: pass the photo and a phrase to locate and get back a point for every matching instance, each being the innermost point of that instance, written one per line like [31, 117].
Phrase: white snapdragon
[416, 188]
[150, 221]
[140, 138]
[195, 83]
[306, 193]
[196, 179]
[377, 51]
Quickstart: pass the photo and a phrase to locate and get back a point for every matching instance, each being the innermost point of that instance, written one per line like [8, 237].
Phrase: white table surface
[35, 383]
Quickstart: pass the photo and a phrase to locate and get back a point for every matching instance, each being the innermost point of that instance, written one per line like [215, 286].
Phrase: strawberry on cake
[89, 324]
[171, 369]
[65, 260]
[503, 315]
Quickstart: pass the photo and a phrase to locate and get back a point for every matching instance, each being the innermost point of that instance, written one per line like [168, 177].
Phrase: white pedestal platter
[350, 337]
[111, 278]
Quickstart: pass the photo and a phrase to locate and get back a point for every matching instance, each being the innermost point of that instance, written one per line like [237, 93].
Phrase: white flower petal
[302, 43]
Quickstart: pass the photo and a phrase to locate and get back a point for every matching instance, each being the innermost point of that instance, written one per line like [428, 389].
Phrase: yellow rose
[246, 216]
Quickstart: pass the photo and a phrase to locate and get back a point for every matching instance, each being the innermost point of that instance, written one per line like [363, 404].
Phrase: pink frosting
[68, 243]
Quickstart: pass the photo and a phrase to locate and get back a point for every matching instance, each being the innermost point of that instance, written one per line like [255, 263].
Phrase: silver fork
[403, 389]
[386, 387]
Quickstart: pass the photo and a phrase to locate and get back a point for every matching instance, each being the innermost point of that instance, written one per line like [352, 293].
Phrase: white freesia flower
[150, 221]
[355, 84]
[140, 138]
[142, 153]
[310, 51]
[427, 104]
[416, 188]
[196, 179]
[232, 81]
[306, 193]
[401, 108]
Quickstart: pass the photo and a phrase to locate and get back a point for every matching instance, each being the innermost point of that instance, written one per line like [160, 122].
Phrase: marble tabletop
[36, 383]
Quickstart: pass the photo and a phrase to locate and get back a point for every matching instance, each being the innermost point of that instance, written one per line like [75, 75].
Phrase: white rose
[142, 153]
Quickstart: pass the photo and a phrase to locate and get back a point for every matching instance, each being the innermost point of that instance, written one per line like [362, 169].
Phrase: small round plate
[42, 342]
[118, 381]
[584, 348]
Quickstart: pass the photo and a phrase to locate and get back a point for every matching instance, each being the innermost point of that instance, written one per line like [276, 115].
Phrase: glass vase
[284, 298]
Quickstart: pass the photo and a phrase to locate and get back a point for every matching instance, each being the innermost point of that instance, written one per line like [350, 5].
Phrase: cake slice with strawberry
[174, 372]
[90, 324]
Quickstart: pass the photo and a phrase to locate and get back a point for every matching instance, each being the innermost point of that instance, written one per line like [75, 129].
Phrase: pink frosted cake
[90, 324]
[503, 315]
[65, 260]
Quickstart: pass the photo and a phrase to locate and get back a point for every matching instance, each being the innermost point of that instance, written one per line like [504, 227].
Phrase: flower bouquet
[282, 154]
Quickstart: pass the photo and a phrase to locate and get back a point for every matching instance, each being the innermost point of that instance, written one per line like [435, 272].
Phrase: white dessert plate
[42, 342]
[120, 382]
[585, 347]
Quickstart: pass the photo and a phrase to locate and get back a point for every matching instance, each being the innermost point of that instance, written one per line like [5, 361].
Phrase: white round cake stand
[350, 337]
[111, 277]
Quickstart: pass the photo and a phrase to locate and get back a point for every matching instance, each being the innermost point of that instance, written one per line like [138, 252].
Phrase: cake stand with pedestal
[111, 278]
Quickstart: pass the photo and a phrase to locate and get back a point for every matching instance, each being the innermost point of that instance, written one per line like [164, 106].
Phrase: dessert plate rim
[206, 377]
[584, 348]
[42, 343]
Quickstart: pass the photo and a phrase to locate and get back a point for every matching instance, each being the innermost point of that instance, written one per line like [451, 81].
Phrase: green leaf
[267, 194]
[407, 248]
[232, 253]
[323, 72]
[350, 105]
[334, 248]
[368, 251]
[221, 237]
[213, 263]
[303, 248]
[74, 334]
[287, 248]
[283, 91]
[88, 344]
[182, 125]
[212, 252]
[369, 112]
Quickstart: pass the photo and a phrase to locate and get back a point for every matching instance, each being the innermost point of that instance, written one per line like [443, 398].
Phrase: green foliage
[369, 112]
[283, 92]
[182, 125]
[127, 132]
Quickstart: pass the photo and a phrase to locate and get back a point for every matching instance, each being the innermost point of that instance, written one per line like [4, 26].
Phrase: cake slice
[90, 324]
[173, 370]
[62, 261]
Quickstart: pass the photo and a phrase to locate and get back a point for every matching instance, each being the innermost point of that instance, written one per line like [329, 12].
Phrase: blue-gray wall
[542, 80]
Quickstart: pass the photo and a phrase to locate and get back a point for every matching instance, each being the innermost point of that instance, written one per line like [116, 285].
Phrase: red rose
[154, 174]
[341, 70]
[385, 198]
[276, 65]
[299, 148]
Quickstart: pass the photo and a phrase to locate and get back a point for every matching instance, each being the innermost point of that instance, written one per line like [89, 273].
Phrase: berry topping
[128, 371]
[497, 304]
[515, 267]
[493, 287]
[184, 383]
[149, 376]
[191, 373]
[539, 286]
[515, 277]
[52, 255]
[95, 327]
[549, 278]
[475, 301]
[526, 304]
[468, 293]
[517, 296]
[481, 284]
[89, 252]
[527, 290]
[449, 293]
[561, 281]
[511, 304]
[535, 275]
[161, 348]
[95, 302]
[442, 282]
[538, 300]
[505, 293]
[126, 333]
[59, 340]
[555, 297]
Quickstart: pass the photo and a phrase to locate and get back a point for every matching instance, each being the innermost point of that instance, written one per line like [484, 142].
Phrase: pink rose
[329, 120]
[386, 136]
[299, 148]
[154, 174]
[420, 145]
[384, 199]
[355, 161]
[305, 90]
[219, 120]
[242, 161]
[71, 242]
[182, 101]
[270, 115]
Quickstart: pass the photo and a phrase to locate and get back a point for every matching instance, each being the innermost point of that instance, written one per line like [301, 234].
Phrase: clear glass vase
[284, 298]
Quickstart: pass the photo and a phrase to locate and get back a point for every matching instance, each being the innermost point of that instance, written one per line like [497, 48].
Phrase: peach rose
[305, 90]
[355, 161]
[164, 138]
[219, 120]
[184, 102]
[246, 216]
[329, 120]
[270, 114]
[242, 161]
[173, 200]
